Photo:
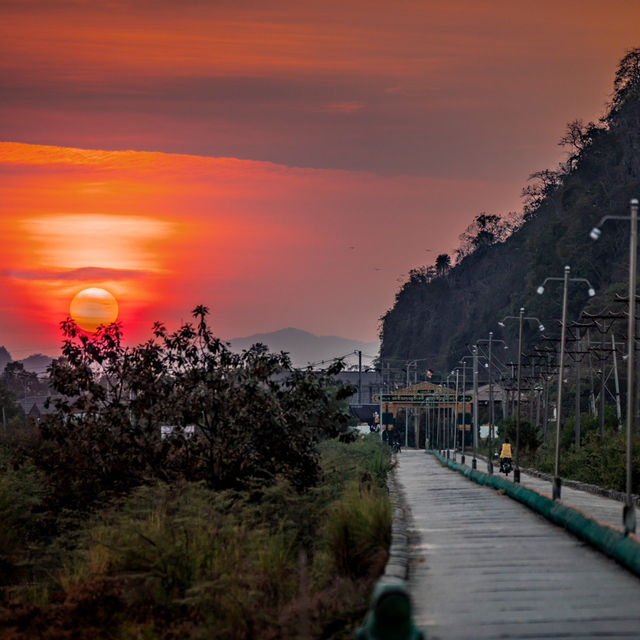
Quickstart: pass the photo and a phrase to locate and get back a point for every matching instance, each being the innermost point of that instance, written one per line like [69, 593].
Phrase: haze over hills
[305, 347]
[36, 363]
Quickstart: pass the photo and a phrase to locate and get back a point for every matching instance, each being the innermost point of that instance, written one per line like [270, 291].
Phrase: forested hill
[442, 309]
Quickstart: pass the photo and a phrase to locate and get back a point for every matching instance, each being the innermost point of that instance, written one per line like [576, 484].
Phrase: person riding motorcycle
[505, 456]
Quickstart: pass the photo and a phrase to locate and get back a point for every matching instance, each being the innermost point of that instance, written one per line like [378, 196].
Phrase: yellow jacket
[505, 452]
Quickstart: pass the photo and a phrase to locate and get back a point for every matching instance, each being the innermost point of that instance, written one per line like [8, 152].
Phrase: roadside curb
[381, 620]
[398, 562]
[623, 549]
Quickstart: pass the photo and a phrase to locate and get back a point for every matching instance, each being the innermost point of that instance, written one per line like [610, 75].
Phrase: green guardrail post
[389, 615]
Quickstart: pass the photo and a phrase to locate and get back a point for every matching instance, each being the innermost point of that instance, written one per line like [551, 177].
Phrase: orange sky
[231, 155]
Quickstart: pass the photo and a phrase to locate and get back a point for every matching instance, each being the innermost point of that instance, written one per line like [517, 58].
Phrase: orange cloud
[263, 245]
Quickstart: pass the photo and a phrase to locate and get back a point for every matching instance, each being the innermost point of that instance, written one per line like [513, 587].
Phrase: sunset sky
[284, 163]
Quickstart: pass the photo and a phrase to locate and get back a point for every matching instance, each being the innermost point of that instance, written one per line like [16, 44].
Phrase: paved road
[484, 566]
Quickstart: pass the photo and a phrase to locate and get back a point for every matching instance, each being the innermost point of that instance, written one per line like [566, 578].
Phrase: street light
[556, 478]
[491, 407]
[520, 317]
[474, 351]
[464, 405]
[628, 513]
[455, 414]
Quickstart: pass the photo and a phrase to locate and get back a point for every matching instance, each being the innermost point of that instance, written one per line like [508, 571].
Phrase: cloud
[346, 108]
[261, 244]
[86, 274]
[450, 89]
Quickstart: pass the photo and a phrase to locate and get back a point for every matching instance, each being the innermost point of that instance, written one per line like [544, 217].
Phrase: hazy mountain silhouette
[305, 347]
[302, 346]
[5, 358]
[37, 363]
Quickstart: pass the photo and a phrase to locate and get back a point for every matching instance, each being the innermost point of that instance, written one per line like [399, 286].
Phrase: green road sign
[424, 399]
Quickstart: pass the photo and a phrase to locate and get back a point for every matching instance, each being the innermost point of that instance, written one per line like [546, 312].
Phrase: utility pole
[464, 408]
[455, 417]
[474, 462]
[406, 427]
[617, 382]
[602, 392]
[359, 377]
[491, 408]
[577, 434]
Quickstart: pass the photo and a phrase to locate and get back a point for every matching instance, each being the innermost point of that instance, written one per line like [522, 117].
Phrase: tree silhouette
[443, 264]
[253, 416]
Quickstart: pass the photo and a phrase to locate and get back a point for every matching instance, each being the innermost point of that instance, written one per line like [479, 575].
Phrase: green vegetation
[599, 460]
[254, 417]
[182, 559]
[261, 518]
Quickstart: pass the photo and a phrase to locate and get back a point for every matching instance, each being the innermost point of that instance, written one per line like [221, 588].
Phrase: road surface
[484, 566]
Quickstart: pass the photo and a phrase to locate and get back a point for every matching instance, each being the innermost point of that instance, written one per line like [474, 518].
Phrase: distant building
[369, 383]
[34, 406]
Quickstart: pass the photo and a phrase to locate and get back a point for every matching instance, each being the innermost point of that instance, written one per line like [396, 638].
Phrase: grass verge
[182, 560]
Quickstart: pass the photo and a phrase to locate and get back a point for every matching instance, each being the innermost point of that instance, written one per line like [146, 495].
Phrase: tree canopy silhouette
[123, 412]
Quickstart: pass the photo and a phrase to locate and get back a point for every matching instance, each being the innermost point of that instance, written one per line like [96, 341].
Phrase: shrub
[22, 491]
[255, 417]
[182, 560]
[359, 529]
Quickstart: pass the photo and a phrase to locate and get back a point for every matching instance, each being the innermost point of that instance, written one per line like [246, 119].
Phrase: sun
[92, 307]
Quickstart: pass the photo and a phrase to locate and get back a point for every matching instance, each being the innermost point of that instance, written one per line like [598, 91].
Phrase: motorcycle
[505, 466]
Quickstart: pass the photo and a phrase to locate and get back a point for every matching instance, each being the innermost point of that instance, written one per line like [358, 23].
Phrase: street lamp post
[520, 317]
[464, 405]
[628, 513]
[455, 416]
[447, 426]
[474, 462]
[556, 487]
[491, 407]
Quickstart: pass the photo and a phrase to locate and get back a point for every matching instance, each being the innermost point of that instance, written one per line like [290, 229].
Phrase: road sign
[424, 399]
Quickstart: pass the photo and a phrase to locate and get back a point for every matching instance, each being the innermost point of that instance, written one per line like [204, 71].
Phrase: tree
[254, 416]
[626, 83]
[20, 381]
[443, 264]
[485, 230]
[543, 184]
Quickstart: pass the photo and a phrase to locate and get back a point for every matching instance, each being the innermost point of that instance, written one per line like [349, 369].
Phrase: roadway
[484, 566]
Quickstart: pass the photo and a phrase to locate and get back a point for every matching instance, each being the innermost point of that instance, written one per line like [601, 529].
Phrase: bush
[599, 461]
[530, 437]
[22, 491]
[255, 417]
[183, 560]
[359, 529]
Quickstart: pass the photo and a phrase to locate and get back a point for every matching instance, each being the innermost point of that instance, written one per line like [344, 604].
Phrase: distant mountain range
[306, 348]
[303, 347]
[36, 363]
